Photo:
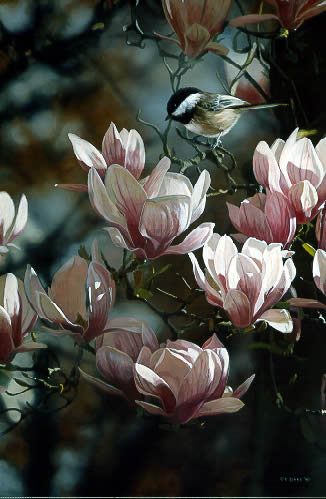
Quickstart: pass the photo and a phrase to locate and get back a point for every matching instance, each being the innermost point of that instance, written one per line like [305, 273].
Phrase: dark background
[65, 67]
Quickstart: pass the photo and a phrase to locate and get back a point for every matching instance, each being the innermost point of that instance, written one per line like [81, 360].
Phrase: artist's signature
[295, 479]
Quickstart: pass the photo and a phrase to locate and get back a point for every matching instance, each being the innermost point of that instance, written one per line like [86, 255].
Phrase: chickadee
[207, 114]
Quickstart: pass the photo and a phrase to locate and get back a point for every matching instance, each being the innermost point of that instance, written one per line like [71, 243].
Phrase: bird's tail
[257, 106]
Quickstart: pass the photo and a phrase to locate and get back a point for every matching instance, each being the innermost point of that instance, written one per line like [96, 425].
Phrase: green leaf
[83, 253]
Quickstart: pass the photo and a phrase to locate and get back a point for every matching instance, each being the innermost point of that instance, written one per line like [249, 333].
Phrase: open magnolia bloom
[145, 216]
[290, 13]
[125, 149]
[117, 351]
[11, 223]
[246, 284]
[65, 303]
[16, 319]
[296, 169]
[196, 23]
[187, 381]
[266, 217]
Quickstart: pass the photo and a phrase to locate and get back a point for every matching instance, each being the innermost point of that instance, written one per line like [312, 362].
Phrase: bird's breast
[213, 123]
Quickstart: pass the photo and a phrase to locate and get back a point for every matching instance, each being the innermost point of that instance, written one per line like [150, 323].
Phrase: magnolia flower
[146, 215]
[246, 284]
[187, 381]
[295, 169]
[125, 149]
[290, 13]
[269, 218]
[65, 303]
[17, 319]
[323, 402]
[116, 352]
[196, 23]
[11, 225]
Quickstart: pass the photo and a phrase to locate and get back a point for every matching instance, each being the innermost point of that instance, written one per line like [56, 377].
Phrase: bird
[208, 114]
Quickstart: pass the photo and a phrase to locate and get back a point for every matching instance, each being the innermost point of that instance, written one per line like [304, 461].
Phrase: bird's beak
[168, 118]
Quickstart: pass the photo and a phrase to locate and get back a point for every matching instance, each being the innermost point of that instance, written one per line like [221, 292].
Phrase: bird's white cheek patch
[188, 104]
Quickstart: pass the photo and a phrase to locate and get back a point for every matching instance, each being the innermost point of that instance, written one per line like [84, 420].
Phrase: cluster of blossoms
[197, 22]
[180, 381]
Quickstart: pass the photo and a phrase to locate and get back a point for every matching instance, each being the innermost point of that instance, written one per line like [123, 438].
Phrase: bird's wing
[216, 102]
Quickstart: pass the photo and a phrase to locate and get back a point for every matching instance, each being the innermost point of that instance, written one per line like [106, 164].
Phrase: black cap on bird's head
[182, 104]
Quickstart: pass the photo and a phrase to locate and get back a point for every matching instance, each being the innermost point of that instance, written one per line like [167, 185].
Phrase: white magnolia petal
[198, 197]
[195, 240]
[101, 201]
[279, 319]
[21, 219]
[7, 213]
[86, 153]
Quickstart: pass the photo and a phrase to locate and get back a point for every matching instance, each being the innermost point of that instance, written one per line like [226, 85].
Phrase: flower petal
[151, 408]
[135, 154]
[251, 19]
[198, 197]
[7, 213]
[238, 308]
[303, 197]
[21, 219]
[243, 388]
[154, 182]
[68, 288]
[196, 38]
[149, 383]
[220, 406]
[101, 384]
[87, 155]
[279, 319]
[196, 239]
[162, 220]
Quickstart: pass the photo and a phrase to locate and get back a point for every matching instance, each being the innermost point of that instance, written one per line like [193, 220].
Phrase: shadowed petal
[101, 384]
[319, 270]
[68, 288]
[306, 302]
[242, 389]
[238, 308]
[304, 198]
[151, 408]
[251, 19]
[220, 406]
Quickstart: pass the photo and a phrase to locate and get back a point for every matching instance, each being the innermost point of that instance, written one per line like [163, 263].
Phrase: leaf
[83, 253]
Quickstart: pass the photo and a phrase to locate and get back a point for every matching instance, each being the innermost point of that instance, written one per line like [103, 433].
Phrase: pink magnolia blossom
[290, 13]
[11, 224]
[145, 216]
[196, 23]
[125, 149]
[116, 352]
[187, 381]
[295, 169]
[16, 319]
[266, 217]
[248, 283]
[65, 303]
